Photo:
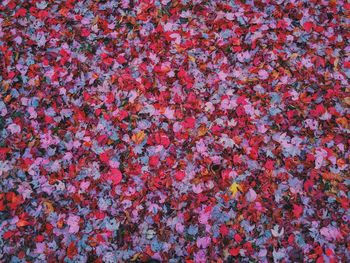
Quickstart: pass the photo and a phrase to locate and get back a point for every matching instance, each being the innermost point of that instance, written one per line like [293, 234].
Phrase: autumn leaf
[137, 138]
[22, 223]
[343, 122]
[202, 130]
[71, 250]
[48, 207]
[347, 100]
[297, 210]
[115, 176]
[234, 188]
[332, 176]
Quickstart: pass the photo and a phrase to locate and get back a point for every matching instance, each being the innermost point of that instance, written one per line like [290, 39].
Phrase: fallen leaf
[234, 188]
[137, 138]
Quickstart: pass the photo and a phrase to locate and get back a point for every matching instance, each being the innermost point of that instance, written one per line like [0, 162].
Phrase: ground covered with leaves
[182, 131]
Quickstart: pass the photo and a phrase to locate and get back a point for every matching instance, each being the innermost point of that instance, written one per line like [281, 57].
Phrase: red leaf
[224, 230]
[8, 234]
[11, 75]
[190, 122]
[162, 139]
[100, 215]
[115, 176]
[297, 210]
[104, 157]
[154, 160]
[308, 185]
[121, 59]
[308, 26]
[165, 141]
[238, 238]
[122, 115]
[85, 32]
[346, 64]
[179, 175]
[269, 165]
[234, 251]
[108, 61]
[2, 206]
[72, 250]
[21, 12]
[39, 238]
[329, 252]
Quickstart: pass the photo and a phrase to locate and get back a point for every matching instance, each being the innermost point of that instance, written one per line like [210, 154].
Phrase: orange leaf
[342, 121]
[138, 137]
[21, 223]
[331, 176]
[202, 131]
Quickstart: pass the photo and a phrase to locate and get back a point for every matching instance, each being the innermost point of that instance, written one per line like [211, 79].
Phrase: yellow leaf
[234, 188]
[138, 137]
[192, 58]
